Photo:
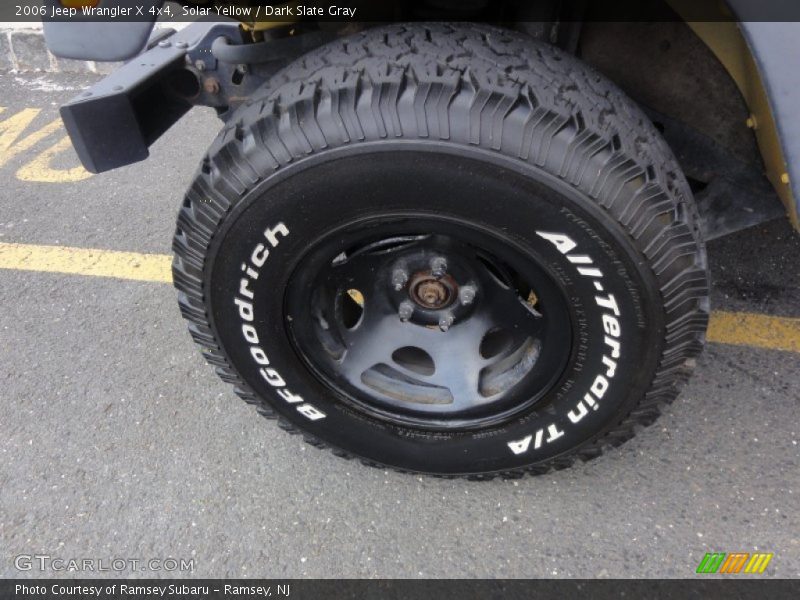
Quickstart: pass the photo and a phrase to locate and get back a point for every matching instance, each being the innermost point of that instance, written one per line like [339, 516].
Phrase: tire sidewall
[549, 205]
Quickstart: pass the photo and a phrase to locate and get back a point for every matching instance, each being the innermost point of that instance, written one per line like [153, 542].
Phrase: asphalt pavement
[117, 440]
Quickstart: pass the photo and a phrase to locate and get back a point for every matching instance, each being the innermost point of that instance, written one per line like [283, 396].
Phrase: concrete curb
[23, 49]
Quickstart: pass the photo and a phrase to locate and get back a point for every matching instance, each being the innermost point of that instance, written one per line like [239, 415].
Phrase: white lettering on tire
[244, 304]
[608, 363]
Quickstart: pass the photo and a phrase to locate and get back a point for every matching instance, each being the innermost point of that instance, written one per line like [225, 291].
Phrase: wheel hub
[431, 292]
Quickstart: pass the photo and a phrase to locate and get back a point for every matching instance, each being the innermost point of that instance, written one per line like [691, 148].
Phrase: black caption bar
[401, 10]
[277, 589]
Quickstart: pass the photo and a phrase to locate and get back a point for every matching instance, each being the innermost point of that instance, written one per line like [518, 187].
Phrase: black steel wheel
[429, 330]
[445, 249]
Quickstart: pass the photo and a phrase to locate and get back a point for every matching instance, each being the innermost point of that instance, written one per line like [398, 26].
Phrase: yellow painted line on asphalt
[18, 135]
[753, 329]
[736, 328]
[86, 261]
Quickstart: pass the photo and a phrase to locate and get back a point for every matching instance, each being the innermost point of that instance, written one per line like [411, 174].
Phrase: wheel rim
[453, 329]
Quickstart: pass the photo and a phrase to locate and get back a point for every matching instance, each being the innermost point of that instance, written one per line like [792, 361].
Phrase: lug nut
[439, 267]
[405, 310]
[467, 294]
[399, 279]
[445, 322]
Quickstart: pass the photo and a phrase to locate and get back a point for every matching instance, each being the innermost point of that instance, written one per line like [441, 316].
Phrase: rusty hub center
[432, 292]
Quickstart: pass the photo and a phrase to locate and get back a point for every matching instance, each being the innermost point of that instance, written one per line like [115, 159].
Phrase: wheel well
[657, 59]
[693, 100]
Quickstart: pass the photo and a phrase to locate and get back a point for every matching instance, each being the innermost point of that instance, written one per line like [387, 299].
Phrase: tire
[535, 181]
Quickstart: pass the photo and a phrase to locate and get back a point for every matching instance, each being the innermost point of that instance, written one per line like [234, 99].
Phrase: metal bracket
[114, 122]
